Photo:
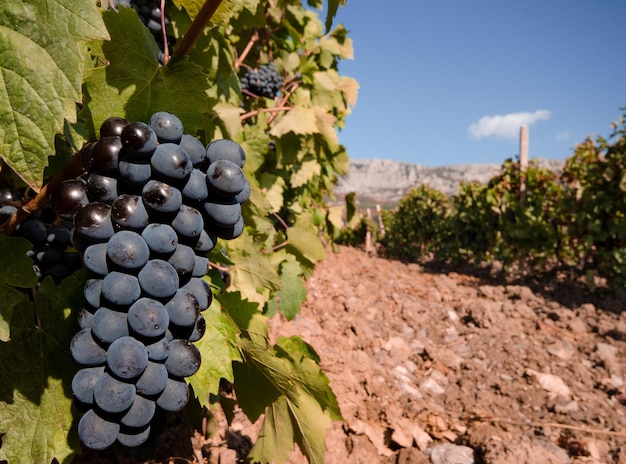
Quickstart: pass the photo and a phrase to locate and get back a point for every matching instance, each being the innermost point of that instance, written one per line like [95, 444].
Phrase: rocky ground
[445, 367]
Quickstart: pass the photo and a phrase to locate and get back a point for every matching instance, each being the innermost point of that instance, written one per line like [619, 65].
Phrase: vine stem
[244, 53]
[209, 7]
[249, 114]
[218, 267]
[166, 50]
[70, 171]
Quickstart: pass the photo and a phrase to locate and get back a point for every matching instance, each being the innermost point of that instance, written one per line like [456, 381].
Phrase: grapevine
[192, 223]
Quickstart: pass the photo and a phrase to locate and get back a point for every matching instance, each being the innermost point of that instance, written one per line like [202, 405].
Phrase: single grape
[95, 432]
[193, 146]
[148, 318]
[84, 382]
[108, 325]
[93, 222]
[175, 396]
[134, 175]
[153, 380]
[184, 358]
[103, 157]
[183, 309]
[201, 290]
[161, 200]
[159, 279]
[183, 260]
[85, 317]
[158, 350]
[129, 212]
[68, 198]
[132, 438]
[195, 190]
[95, 258]
[225, 178]
[232, 232]
[112, 395]
[201, 266]
[223, 212]
[140, 413]
[112, 127]
[58, 237]
[167, 126]
[198, 330]
[224, 149]
[32, 230]
[171, 163]
[92, 290]
[120, 289]
[188, 224]
[139, 139]
[243, 196]
[101, 188]
[128, 250]
[206, 242]
[160, 238]
[127, 358]
[85, 350]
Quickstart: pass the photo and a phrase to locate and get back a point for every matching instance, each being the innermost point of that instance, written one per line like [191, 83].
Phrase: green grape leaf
[36, 421]
[287, 384]
[134, 86]
[253, 272]
[299, 120]
[41, 72]
[307, 170]
[305, 242]
[17, 272]
[218, 351]
[293, 293]
[331, 12]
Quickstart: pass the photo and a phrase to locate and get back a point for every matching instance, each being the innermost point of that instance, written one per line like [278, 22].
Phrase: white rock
[553, 384]
[451, 454]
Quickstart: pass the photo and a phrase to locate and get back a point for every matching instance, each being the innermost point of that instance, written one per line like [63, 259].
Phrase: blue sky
[450, 81]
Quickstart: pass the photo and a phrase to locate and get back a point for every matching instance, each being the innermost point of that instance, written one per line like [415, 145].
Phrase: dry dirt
[444, 367]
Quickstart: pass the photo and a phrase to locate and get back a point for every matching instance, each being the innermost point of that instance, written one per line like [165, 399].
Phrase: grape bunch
[265, 82]
[50, 238]
[152, 202]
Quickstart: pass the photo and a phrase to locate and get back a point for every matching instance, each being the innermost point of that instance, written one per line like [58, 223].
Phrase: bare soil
[434, 365]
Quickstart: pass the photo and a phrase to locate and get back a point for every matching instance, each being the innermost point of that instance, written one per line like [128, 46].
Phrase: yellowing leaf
[299, 120]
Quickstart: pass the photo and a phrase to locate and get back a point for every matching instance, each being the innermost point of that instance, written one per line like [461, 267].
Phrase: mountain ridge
[384, 181]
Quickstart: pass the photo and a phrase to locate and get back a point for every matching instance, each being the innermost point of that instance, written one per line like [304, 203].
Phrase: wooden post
[523, 159]
[369, 246]
[381, 224]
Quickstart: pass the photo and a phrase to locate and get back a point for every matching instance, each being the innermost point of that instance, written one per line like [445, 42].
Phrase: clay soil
[427, 362]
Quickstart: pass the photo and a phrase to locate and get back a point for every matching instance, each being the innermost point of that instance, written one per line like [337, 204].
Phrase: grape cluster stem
[209, 7]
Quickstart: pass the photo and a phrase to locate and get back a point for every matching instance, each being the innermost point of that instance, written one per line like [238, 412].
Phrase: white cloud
[562, 136]
[505, 125]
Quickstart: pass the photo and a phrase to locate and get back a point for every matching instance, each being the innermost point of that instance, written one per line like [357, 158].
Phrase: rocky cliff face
[385, 181]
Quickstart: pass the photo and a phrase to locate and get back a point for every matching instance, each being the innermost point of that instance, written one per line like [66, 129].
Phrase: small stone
[451, 454]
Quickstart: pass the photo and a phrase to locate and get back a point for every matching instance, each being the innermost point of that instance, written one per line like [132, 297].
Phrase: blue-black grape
[101, 188]
[112, 127]
[201, 290]
[183, 260]
[158, 350]
[231, 232]
[95, 432]
[175, 396]
[167, 126]
[184, 358]
[69, 197]
[183, 309]
[158, 279]
[132, 438]
[161, 200]
[171, 163]
[223, 212]
[207, 241]
[120, 289]
[225, 178]
[153, 380]
[86, 351]
[139, 139]
[193, 146]
[95, 258]
[93, 221]
[148, 318]
[128, 250]
[160, 238]
[85, 317]
[84, 382]
[140, 413]
[112, 395]
[224, 149]
[127, 357]
[108, 325]
[188, 224]
[195, 190]
[129, 212]
[201, 266]
[266, 82]
[103, 156]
